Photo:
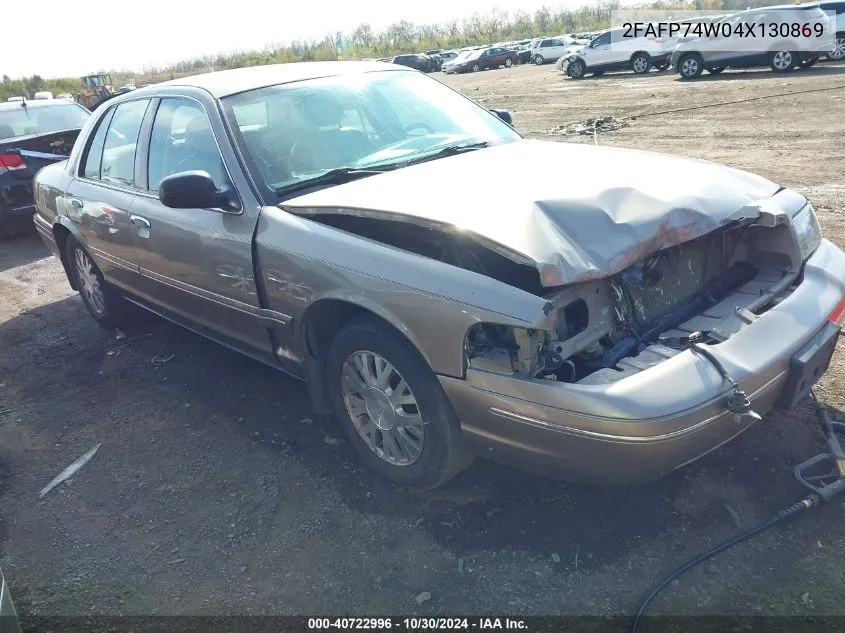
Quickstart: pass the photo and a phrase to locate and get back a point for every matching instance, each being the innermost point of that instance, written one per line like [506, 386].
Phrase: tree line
[401, 37]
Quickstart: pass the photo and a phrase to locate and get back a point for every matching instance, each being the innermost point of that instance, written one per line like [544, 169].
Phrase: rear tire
[640, 63]
[508, 62]
[435, 451]
[101, 300]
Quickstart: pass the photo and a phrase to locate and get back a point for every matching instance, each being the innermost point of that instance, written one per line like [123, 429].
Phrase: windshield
[41, 120]
[298, 131]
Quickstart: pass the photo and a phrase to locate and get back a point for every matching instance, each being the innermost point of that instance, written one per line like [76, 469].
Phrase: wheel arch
[325, 317]
[63, 229]
[320, 324]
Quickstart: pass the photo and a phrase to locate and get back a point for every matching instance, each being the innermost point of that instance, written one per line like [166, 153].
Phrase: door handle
[142, 225]
[76, 203]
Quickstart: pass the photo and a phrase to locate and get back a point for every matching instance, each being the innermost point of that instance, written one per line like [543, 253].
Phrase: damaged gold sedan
[607, 317]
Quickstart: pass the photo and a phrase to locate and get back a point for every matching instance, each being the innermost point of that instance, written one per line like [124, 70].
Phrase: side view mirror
[504, 115]
[195, 190]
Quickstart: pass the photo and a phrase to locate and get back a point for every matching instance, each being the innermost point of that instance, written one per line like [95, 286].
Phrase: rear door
[556, 49]
[99, 199]
[196, 264]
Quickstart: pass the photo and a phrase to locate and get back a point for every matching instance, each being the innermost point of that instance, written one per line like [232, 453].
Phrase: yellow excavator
[95, 89]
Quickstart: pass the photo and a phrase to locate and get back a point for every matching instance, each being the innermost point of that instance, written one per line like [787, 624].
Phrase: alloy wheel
[89, 282]
[382, 408]
[689, 67]
[838, 52]
[782, 60]
[640, 65]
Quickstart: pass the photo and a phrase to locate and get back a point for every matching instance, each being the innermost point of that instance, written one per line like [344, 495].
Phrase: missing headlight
[808, 230]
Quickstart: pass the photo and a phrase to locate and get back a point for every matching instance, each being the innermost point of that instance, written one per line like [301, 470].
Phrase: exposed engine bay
[608, 329]
[611, 328]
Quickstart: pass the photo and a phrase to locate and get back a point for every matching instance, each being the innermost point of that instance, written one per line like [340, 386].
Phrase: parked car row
[691, 58]
[612, 49]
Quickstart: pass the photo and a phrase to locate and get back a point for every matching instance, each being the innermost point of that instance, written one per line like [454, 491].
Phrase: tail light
[11, 162]
[838, 313]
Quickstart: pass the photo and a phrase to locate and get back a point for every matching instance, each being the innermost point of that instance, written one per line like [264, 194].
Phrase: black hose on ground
[812, 500]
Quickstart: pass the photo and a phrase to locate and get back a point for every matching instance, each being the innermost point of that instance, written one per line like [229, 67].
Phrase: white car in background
[611, 50]
[549, 49]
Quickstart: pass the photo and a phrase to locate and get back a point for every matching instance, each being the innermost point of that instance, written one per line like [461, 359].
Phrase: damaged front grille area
[613, 328]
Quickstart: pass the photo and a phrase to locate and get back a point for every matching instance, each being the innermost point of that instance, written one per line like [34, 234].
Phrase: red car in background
[480, 59]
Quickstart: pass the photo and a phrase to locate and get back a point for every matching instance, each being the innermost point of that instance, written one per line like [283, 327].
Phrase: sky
[76, 38]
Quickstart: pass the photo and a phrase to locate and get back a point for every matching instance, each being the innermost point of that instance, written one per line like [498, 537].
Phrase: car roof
[223, 83]
[782, 7]
[34, 103]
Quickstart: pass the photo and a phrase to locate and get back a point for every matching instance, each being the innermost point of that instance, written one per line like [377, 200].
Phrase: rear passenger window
[118, 163]
[91, 168]
[182, 140]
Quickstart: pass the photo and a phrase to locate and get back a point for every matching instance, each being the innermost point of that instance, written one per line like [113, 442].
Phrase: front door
[196, 264]
[598, 53]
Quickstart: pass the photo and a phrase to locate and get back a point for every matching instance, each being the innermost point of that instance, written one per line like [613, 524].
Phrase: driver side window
[182, 140]
[602, 40]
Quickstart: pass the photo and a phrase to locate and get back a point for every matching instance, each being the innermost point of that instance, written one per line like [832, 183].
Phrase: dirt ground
[214, 491]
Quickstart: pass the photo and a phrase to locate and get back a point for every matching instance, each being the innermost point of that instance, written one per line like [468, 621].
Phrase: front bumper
[647, 425]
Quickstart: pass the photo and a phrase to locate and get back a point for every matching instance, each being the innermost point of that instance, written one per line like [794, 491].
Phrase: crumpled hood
[575, 211]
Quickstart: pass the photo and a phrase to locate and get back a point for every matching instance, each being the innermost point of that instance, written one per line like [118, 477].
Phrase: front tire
[476, 67]
[690, 67]
[576, 69]
[538, 59]
[392, 407]
[100, 299]
[640, 63]
[782, 61]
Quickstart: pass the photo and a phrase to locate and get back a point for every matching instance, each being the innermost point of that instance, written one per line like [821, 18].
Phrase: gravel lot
[214, 491]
